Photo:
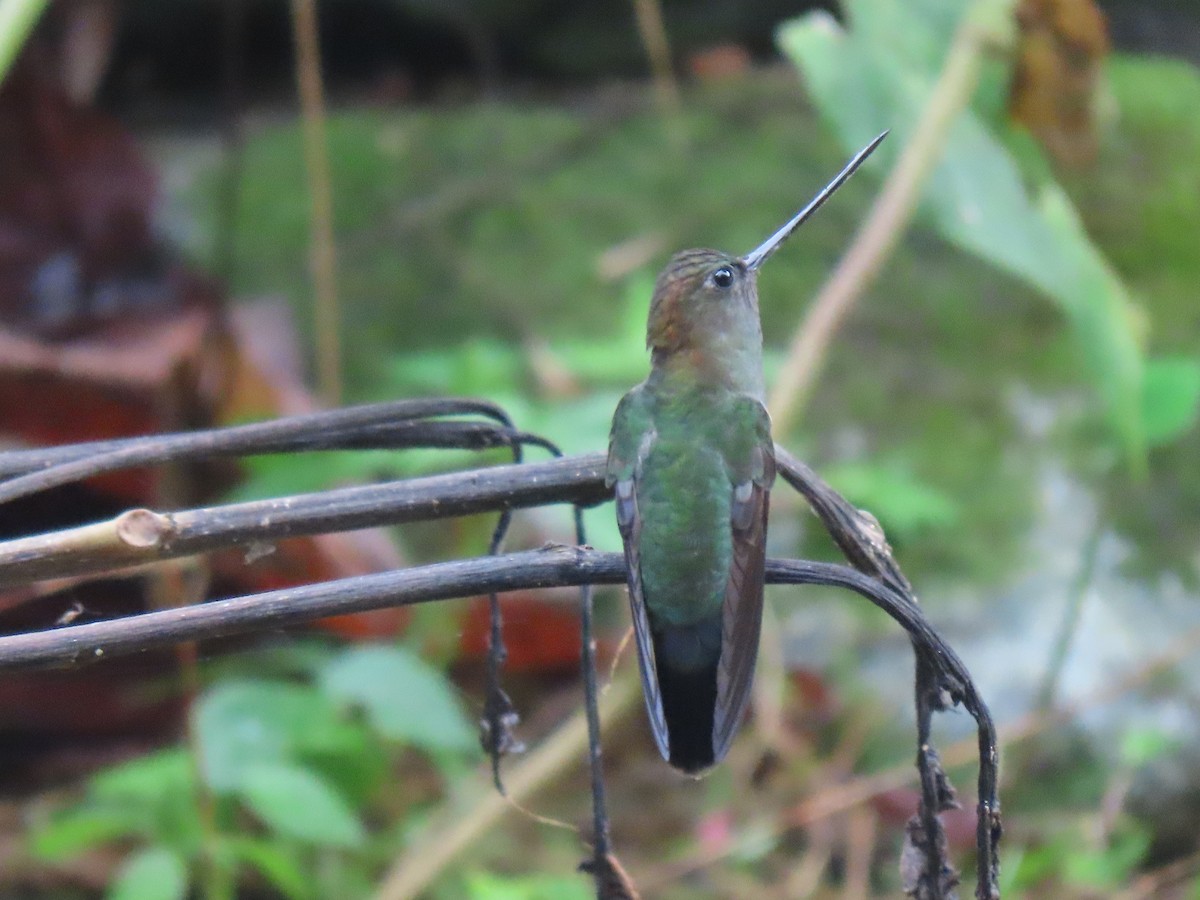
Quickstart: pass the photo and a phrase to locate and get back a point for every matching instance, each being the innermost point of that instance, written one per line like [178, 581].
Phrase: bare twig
[379, 426]
[142, 536]
[860, 850]
[316, 156]
[653, 32]
[884, 225]
[941, 681]
[233, 138]
[109, 545]
[553, 566]
[845, 796]
[431, 853]
[1077, 593]
[578, 479]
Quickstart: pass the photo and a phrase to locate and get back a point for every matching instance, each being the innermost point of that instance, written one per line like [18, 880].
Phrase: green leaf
[1108, 327]
[298, 657]
[242, 724]
[1110, 867]
[1140, 746]
[146, 779]
[487, 886]
[297, 803]
[153, 796]
[154, 873]
[403, 697]
[903, 504]
[478, 366]
[880, 74]
[275, 863]
[1170, 398]
[74, 830]
[17, 18]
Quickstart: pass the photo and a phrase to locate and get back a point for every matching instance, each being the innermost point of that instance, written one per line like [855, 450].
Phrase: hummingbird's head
[706, 301]
[699, 292]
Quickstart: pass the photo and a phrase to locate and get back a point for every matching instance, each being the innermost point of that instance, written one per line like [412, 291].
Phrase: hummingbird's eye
[723, 277]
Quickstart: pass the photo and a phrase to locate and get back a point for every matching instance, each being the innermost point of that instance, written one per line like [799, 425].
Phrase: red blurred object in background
[541, 635]
[104, 333]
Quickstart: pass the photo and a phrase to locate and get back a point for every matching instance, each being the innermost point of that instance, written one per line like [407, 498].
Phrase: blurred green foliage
[496, 266]
[283, 773]
[880, 71]
[486, 886]
[17, 19]
[470, 241]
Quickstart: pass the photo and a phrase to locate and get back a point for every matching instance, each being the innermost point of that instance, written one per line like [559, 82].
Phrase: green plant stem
[889, 216]
[17, 18]
[1071, 617]
[653, 33]
[217, 879]
[316, 156]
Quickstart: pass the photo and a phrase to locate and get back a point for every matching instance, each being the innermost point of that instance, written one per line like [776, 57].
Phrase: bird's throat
[726, 368]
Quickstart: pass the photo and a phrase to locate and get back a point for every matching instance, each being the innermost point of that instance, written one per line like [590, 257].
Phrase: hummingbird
[691, 463]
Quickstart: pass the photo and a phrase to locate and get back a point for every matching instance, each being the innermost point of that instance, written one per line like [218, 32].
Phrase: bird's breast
[685, 541]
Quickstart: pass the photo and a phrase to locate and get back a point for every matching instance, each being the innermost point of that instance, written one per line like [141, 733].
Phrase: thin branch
[549, 567]
[106, 546]
[380, 426]
[552, 566]
[431, 853]
[845, 796]
[1077, 594]
[941, 681]
[316, 157]
[885, 223]
[653, 32]
[117, 543]
[141, 536]
[856, 532]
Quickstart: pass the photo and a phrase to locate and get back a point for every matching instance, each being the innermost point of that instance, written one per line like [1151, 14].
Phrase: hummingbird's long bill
[759, 255]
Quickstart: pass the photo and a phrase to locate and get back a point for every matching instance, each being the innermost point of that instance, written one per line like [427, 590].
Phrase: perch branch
[142, 536]
[104, 546]
[941, 681]
[553, 566]
[381, 426]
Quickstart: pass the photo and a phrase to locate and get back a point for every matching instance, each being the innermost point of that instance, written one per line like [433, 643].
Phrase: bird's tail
[687, 682]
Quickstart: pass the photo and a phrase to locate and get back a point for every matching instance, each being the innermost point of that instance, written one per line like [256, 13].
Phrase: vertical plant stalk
[179, 584]
[187, 584]
[1072, 614]
[887, 219]
[17, 18]
[427, 858]
[233, 27]
[653, 33]
[316, 157]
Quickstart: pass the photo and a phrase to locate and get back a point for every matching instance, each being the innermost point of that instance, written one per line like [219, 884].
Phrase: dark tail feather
[689, 699]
